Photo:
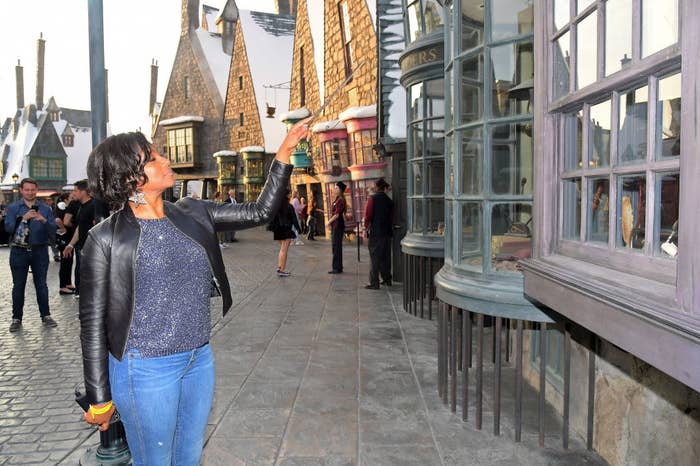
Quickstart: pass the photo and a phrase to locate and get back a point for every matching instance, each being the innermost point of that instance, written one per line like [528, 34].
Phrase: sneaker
[372, 287]
[283, 273]
[298, 243]
[15, 325]
[48, 321]
[223, 246]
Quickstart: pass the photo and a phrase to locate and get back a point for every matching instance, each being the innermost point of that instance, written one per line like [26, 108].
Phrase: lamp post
[15, 187]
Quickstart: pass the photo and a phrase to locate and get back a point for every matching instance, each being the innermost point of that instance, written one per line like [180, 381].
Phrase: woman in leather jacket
[149, 271]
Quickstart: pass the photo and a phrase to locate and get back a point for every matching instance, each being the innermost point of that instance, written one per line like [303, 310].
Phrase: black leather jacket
[107, 269]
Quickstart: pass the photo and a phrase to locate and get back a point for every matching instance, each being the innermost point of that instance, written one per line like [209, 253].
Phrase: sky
[136, 31]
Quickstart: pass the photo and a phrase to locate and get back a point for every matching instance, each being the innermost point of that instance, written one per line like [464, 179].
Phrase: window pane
[562, 72]
[417, 134]
[511, 159]
[668, 117]
[417, 215]
[511, 18]
[436, 176]
[432, 16]
[436, 217]
[667, 216]
[582, 4]
[598, 215]
[561, 13]
[472, 89]
[512, 66]
[573, 140]
[471, 255]
[632, 131]
[435, 138]
[599, 135]
[618, 35]
[448, 230]
[571, 228]
[472, 24]
[416, 110]
[417, 168]
[472, 153]
[435, 98]
[659, 25]
[587, 51]
[631, 212]
[511, 238]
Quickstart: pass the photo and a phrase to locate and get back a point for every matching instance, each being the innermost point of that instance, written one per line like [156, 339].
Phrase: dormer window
[54, 116]
[68, 140]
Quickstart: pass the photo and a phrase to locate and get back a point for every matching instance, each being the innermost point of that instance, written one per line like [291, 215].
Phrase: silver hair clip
[138, 198]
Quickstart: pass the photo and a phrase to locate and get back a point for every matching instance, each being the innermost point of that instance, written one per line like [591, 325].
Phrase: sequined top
[172, 292]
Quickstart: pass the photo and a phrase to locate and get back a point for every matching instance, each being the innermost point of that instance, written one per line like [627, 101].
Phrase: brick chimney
[226, 25]
[19, 77]
[40, 49]
[286, 7]
[189, 16]
[154, 86]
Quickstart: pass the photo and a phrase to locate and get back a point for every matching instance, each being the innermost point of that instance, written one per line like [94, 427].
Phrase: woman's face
[160, 176]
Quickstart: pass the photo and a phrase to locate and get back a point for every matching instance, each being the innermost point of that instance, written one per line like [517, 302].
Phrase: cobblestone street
[311, 370]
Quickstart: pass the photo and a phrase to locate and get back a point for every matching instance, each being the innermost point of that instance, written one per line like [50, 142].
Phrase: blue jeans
[164, 403]
[20, 261]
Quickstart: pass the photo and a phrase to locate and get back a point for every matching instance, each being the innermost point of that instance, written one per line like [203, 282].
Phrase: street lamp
[15, 187]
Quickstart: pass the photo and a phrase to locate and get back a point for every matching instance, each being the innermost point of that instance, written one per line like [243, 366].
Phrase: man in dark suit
[231, 199]
[379, 220]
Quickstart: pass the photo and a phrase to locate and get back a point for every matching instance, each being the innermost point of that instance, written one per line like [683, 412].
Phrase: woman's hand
[98, 416]
[299, 131]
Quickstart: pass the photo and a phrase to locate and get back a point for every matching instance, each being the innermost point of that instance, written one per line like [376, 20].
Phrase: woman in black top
[281, 227]
[63, 236]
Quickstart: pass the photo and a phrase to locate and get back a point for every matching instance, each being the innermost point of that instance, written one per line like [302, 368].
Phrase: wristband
[97, 411]
[70, 246]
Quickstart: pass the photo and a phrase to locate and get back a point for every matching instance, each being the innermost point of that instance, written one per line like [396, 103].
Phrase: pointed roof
[269, 45]
[51, 106]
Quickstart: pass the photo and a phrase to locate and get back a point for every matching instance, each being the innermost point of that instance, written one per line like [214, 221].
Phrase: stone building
[43, 140]
[335, 66]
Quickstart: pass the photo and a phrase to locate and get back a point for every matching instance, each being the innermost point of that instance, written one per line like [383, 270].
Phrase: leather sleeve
[250, 214]
[94, 298]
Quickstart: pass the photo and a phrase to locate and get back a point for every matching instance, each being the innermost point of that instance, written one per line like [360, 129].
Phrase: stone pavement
[311, 370]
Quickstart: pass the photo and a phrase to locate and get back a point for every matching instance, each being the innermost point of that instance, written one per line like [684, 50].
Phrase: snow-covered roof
[209, 14]
[315, 11]
[181, 119]
[77, 156]
[296, 114]
[352, 113]
[327, 126]
[252, 149]
[225, 153]
[269, 44]
[218, 61]
[19, 147]
[372, 7]
[392, 109]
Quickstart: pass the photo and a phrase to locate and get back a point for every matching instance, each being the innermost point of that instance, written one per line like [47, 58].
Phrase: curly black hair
[115, 167]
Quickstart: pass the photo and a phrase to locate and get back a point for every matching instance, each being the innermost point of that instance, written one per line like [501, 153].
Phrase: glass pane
[417, 226]
[511, 159]
[573, 140]
[582, 4]
[471, 255]
[472, 88]
[435, 138]
[561, 13]
[598, 215]
[432, 15]
[659, 25]
[631, 212]
[632, 130]
[667, 216]
[436, 176]
[417, 140]
[587, 51]
[472, 23]
[448, 231]
[511, 238]
[436, 217]
[599, 135]
[513, 75]
[562, 61]
[414, 22]
[511, 18]
[472, 153]
[618, 35]
[435, 98]
[571, 227]
[417, 179]
[416, 110]
[668, 114]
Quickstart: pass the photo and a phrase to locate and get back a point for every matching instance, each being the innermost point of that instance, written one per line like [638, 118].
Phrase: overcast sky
[136, 31]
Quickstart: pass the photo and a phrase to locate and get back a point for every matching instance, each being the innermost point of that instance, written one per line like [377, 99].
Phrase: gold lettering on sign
[422, 57]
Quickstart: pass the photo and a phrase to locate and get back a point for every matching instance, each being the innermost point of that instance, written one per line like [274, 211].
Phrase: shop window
[361, 151]
[51, 169]
[511, 18]
[180, 146]
[424, 18]
[254, 168]
[335, 154]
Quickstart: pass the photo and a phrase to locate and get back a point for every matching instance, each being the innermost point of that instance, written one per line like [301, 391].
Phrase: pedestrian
[337, 224]
[282, 226]
[145, 310]
[302, 215]
[63, 236]
[230, 236]
[312, 210]
[222, 234]
[379, 221]
[52, 236]
[30, 222]
[90, 213]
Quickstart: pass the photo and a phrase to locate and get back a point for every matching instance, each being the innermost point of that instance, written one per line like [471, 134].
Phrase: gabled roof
[82, 118]
[269, 45]
[51, 106]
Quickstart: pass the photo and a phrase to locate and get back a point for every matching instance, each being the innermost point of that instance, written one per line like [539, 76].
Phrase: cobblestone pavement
[311, 370]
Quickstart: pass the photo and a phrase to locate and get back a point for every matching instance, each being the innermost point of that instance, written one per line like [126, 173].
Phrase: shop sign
[420, 57]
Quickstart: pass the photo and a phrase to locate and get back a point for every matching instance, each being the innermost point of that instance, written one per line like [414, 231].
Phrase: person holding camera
[30, 223]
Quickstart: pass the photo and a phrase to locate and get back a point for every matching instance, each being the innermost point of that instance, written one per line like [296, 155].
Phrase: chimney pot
[154, 86]
[189, 16]
[40, 52]
[19, 78]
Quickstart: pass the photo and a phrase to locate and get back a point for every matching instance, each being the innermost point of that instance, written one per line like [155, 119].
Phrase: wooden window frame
[181, 146]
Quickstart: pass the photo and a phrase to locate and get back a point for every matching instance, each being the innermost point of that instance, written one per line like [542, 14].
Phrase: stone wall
[641, 415]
